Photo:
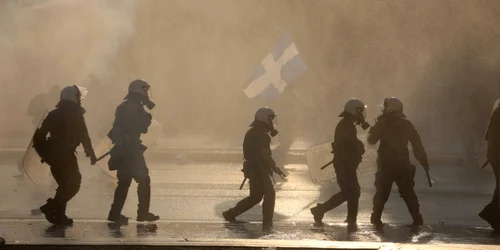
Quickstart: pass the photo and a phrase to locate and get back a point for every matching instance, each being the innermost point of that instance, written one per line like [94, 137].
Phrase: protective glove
[93, 158]
[278, 171]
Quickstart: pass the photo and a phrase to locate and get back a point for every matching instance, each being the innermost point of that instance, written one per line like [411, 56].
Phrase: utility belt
[252, 169]
[62, 145]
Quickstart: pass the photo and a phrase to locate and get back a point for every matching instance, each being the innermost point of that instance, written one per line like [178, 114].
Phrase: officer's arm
[494, 137]
[375, 132]
[267, 155]
[146, 121]
[345, 137]
[418, 147]
[85, 138]
[263, 142]
[136, 119]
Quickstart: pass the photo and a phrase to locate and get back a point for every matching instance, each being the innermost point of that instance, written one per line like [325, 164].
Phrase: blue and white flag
[279, 69]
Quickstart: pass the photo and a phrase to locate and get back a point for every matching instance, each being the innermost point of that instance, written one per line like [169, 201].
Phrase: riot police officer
[394, 131]
[67, 129]
[491, 212]
[258, 167]
[348, 151]
[127, 154]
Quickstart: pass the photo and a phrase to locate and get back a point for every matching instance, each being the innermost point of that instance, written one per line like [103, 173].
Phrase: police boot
[352, 226]
[116, 216]
[489, 215]
[318, 213]
[143, 213]
[229, 215]
[60, 215]
[418, 220]
[417, 217]
[267, 225]
[144, 193]
[375, 219]
[486, 214]
[48, 211]
[146, 216]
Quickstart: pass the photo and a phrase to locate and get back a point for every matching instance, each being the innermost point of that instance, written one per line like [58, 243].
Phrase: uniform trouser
[261, 187]
[347, 180]
[67, 175]
[492, 210]
[403, 177]
[139, 172]
[497, 181]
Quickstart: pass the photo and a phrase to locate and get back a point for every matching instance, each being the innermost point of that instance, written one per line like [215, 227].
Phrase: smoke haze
[439, 57]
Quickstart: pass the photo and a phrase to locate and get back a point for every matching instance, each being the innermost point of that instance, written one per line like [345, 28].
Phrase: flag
[278, 70]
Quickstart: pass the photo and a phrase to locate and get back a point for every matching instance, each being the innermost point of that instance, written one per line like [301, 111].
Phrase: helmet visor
[147, 91]
[361, 112]
[364, 112]
[273, 119]
[82, 92]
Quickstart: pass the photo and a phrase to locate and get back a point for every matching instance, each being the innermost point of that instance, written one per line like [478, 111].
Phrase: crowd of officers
[67, 129]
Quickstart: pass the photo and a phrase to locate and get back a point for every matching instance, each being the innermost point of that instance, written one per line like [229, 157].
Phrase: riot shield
[31, 162]
[105, 145]
[319, 156]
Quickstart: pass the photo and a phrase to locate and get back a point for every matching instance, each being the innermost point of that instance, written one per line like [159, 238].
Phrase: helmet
[73, 93]
[139, 86]
[265, 115]
[355, 107]
[392, 104]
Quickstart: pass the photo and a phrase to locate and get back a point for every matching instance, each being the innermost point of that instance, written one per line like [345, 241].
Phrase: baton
[326, 165]
[485, 163]
[102, 156]
[428, 178]
[243, 183]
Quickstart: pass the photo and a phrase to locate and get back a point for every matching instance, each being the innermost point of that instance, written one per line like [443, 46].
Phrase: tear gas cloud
[439, 57]
[55, 42]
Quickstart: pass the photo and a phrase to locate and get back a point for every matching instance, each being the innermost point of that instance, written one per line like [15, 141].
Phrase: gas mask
[149, 104]
[148, 93]
[364, 125]
[274, 123]
[362, 118]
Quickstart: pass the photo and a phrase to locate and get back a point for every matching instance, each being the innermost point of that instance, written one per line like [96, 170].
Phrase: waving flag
[278, 70]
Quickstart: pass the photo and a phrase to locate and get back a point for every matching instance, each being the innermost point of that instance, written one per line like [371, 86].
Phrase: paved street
[190, 198]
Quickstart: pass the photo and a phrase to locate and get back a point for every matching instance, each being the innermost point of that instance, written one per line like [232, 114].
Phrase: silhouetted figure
[348, 152]
[127, 154]
[67, 129]
[393, 163]
[491, 212]
[258, 168]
